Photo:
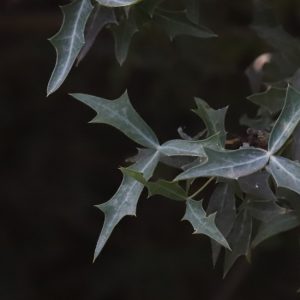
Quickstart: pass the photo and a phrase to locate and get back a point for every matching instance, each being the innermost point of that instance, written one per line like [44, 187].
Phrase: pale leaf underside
[117, 3]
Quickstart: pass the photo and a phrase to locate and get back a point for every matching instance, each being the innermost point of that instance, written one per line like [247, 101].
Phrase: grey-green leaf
[176, 23]
[193, 10]
[228, 164]
[123, 34]
[238, 239]
[125, 200]
[276, 225]
[214, 119]
[285, 172]
[222, 201]
[100, 17]
[117, 3]
[196, 215]
[287, 121]
[68, 41]
[120, 114]
[272, 99]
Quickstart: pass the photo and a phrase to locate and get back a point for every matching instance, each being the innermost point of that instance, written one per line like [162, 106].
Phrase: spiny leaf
[68, 41]
[117, 3]
[123, 34]
[120, 114]
[100, 17]
[238, 239]
[228, 164]
[285, 172]
[171, 190]
[196, 215]
[272, 99]
[125, 200]
[214, 119]
[276, 225]
[222, 201]
[287, 121]
[176, 23]
[257, 185]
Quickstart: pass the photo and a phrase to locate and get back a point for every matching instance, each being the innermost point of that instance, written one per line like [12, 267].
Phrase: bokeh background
[55, 167]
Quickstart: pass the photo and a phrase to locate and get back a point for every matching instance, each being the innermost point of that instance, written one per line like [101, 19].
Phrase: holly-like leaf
[228, 164]
[257, 185]
[125, 200]
[222, 201]
[120, 114]
[117, 3]
[287, 121]
[272, 99]
[68, 41]
[176, 23]
[100, 17]
[123, 34]
[238, 239]
[285, 172]
[214, 119]
[196, 215]
[276, 225]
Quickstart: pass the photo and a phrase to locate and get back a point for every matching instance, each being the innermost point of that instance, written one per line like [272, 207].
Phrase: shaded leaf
[285, 172]
[125, 200]
[222, 201]
[272, 99]
[228, 164]
[176, 23]
[257, 185]
[287, 121]
[214, 119]
[196, 215]
[193, 10]
[100, 17]
[276, 225]
[68, 41]
[238, 239]
[117, 3]
[150, 6]
[120, 114]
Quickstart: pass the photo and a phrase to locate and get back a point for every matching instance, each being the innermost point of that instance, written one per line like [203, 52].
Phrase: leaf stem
[202, 188]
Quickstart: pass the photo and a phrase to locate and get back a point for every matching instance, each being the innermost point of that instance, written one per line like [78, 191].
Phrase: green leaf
[276, 225]
[287, 121]
[117, 3]
[222, 201]
[257, 185]
[214, 119]
[285, 172]
[272, 99]
[123, 34]
[196, 215]
[150, 6]
[125, 200]
[176, 23]
[120, 114]
[228, 164]
[68, 41]
[193, 10]
[100, 17]
[238, 239]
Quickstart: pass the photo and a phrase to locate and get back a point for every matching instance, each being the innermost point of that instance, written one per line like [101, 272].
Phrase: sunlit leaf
[228, 164]
[287, 121]
[68, 41]
[196, 215]
[125, 200]
[120, 114]
[276, 225]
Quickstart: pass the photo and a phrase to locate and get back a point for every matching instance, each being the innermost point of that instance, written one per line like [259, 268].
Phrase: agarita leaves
[196, 215]
[287, 121]
[117, 3]
[120, 114]
[68, 41]
[125, 200]
[228, 164]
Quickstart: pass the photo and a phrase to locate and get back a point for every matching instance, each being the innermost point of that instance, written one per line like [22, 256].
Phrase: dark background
[55, 167]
